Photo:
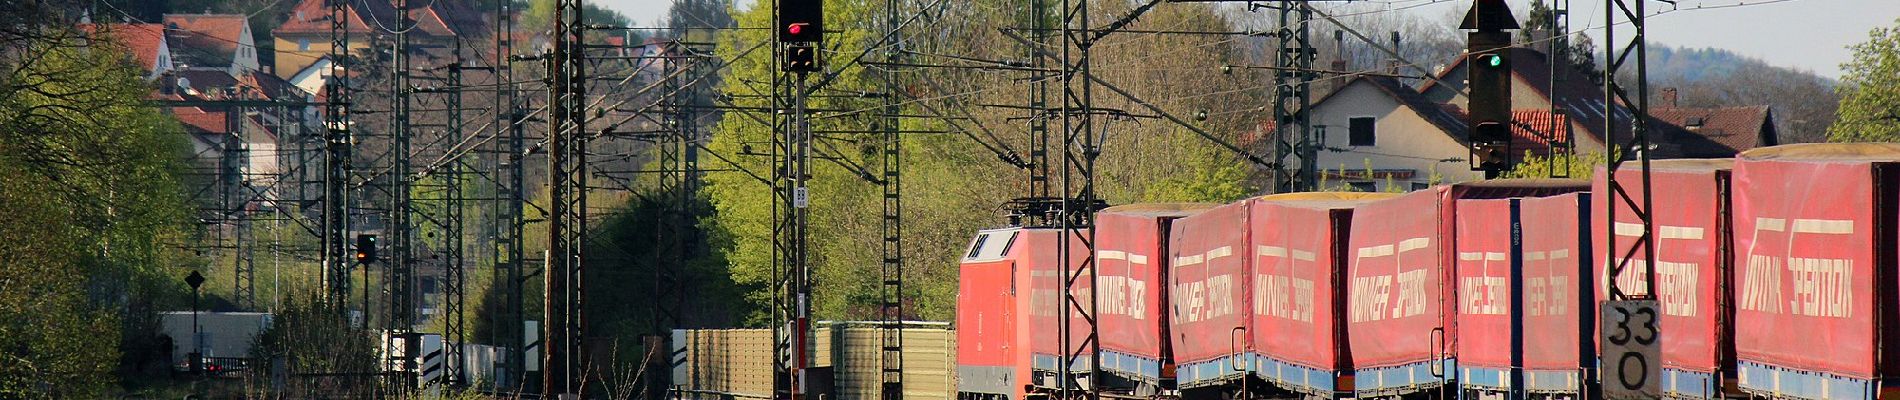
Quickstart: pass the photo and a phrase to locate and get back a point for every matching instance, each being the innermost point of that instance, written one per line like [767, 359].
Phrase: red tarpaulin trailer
[1394, 293]
[1131, 257]
[1298, 269]
[1486, 277]
[1401, 293]
[1557, 291]
[1691, 217]
[1208, 295]
[1815, 274]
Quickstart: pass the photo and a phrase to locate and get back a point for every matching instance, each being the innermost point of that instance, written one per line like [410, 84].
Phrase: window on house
[303, 44]
[1363, 186]
[1361, 132]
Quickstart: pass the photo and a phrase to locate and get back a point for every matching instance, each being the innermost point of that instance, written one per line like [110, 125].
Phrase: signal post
[800, 26]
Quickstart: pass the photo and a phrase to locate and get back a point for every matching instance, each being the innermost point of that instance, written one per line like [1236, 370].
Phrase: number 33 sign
[1632, 347]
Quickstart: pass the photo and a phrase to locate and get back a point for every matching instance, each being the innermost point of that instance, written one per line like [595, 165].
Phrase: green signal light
[1491, 60]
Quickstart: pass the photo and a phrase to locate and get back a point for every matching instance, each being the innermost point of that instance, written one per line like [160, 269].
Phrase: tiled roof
[441, 18]
[222, 32]
[313, 17]
[1538, 127]
[1580, 98]
[274, 87]
[143, 40]
[206, 81]
[1717, 132]
[197, 120]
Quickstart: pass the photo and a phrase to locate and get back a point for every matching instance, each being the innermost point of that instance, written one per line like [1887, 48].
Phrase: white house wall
[1403, 140]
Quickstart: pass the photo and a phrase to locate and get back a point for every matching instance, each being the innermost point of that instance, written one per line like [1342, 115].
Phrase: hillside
[1804, 103]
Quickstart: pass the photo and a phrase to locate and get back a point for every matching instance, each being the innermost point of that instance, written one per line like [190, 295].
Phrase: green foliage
[1211, 178]
[90, 210]
[1870, 104]
[310, 337]
[1581, 166]
[954, 186]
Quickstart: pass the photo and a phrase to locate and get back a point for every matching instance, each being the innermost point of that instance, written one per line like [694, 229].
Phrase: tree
[93, 212]
[1870, 100]
[1540, 23]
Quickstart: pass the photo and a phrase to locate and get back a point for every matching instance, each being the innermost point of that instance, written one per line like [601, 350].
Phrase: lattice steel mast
[508, 254]
[399, 281]
[1293, 96]
[1636, 147]
[1077, 218]
[562, 371]
[892, 288]
[336, 256]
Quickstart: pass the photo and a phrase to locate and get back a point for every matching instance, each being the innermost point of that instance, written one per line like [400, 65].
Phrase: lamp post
[197, 358]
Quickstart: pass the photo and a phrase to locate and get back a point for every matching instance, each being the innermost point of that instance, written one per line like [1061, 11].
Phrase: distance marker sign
[1632, 348]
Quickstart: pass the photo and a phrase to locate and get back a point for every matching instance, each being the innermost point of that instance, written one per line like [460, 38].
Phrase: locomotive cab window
[1360, 133]
[977, 248]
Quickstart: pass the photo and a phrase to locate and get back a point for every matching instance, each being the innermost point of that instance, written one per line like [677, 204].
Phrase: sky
[1811, 35]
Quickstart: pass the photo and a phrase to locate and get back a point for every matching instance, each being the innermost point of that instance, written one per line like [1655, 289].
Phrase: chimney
[1339, 47]
[1392, 64]
[167, 83]
[1669, 97]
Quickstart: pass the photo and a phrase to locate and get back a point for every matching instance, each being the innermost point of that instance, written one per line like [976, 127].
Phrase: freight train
[1774, 272]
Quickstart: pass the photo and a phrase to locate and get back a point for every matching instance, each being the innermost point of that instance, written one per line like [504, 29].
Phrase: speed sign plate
[1632, 348]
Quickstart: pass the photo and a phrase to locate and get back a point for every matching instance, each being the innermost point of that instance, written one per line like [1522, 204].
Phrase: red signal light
[796, 28]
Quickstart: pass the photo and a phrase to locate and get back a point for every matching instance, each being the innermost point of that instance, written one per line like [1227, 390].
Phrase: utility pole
[1562, 143]
[1634, 148]
[231, 199]
[1622, 150]
[562, 372]
[1037, 208]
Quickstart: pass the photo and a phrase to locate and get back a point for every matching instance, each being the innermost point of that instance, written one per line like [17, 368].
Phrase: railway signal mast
[800, 33]
[1488, 76]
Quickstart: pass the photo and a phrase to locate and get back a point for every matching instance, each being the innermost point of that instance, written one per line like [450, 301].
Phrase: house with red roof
[304, 37]
[1581, 100]
[145, 42]
[221, 41]
[1377, 133]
